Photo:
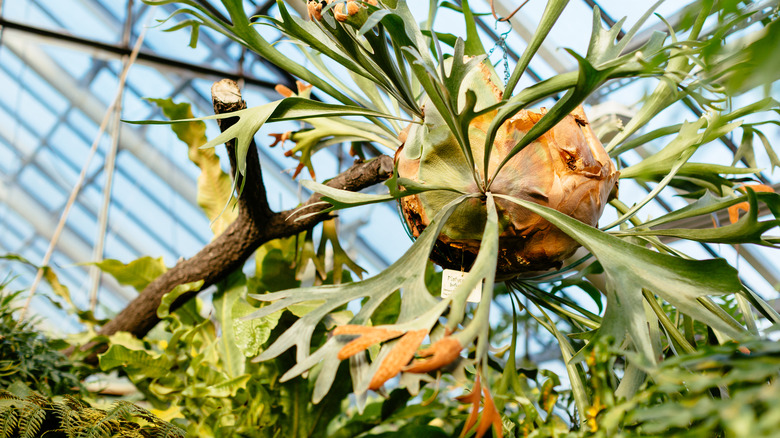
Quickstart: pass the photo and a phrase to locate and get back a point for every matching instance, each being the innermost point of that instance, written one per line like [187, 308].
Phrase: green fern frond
[26, 417]
[31, 421]
[111, 420]
[6, 395]
[9, 419]
[67, 412]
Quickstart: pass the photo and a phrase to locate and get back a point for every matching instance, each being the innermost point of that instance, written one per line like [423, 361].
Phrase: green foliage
[727, 390]
[200, 368]
[669, 322]
[214, 185]
[28, 357]
[138, 273]
[252, 119]
[25, 413]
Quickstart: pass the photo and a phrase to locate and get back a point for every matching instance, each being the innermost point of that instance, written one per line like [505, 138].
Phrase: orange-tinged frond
[440, 353]
[473, 397]
[280, 138]
[490, 417]
[284, 90]
[304, 90]
[744, 206]
[399, 356]
[369, 336]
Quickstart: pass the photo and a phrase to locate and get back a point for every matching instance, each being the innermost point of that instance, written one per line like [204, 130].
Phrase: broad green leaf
[138, 273]
[126, 339]
[275, 265]
[629, 268]
[139, 364]
[48, 274]
[193, 134]
[228, 388]
[59, 289]
[163, 310]
[214, 185]
[252, 334]
[229, 291]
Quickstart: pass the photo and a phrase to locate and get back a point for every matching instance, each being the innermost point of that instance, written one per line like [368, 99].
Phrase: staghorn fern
[639, 268]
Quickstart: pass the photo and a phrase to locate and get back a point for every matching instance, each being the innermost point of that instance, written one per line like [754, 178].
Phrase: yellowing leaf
[214, 185]
[138, 273]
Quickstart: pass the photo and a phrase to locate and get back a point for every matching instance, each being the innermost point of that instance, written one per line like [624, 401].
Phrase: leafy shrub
[27, 356]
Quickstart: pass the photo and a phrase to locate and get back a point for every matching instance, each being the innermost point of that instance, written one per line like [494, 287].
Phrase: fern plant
[27, 414]
[28, 357]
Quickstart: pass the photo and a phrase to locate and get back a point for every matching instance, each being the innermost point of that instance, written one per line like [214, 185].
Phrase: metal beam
[94, 109]
[107, 51]
[122, 212]
[70, 244]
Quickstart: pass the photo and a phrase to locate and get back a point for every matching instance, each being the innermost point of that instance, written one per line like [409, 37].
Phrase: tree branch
[256, 224]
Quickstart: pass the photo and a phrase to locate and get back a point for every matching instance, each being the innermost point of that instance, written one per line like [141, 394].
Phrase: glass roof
[60, 63]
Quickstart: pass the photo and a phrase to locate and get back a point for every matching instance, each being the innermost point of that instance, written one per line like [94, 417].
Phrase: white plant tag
[450, 280]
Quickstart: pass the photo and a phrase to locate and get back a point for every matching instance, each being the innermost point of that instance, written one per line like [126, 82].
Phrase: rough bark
[255, 225]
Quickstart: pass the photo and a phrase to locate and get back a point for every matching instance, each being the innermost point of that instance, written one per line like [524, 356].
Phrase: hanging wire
[502, 36]
[501, 44]
[82, 176]
[507, 18]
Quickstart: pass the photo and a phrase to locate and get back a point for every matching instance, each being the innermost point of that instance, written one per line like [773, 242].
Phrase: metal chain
[501, 43]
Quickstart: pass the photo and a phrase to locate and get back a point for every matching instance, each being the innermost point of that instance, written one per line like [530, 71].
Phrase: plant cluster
[28, 357]
[677, 345]
[42, 391]
[463, 142]
[26, 413]
[199, 370]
